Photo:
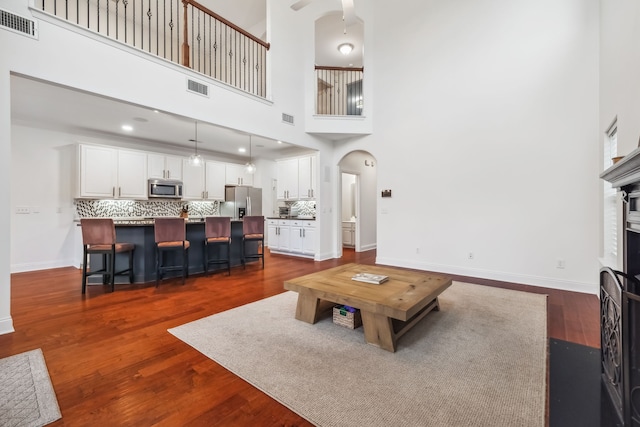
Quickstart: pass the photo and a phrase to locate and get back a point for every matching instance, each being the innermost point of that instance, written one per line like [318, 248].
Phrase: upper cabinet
[237, 175]
[287, 175]
[307, 177]
[111, 173]
[203, 182]
[164, 167]
[297, 178]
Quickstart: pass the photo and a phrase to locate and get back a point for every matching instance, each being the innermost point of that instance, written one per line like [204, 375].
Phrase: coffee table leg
[378, 330]
[307, 308]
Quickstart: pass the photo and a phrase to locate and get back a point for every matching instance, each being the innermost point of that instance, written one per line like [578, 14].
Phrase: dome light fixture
[345, 48]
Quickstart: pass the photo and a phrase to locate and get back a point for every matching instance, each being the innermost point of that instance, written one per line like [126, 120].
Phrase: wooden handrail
[322, 67]
[224, 21]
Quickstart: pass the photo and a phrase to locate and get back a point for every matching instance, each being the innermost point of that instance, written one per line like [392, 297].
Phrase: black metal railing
[339, 91]
[182, 31]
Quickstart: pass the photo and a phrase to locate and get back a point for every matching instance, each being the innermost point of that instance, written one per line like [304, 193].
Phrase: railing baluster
[216, 48]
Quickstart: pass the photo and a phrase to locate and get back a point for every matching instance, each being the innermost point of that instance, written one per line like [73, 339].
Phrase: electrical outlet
[470, 255]
[560, 263]
[22, 210]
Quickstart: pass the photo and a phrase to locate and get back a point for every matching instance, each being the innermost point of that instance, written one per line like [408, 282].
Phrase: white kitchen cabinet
[193, 181]
[204, 182]
[297, 178]
[214, 180]
[278, 235]
[287, 174]
[164, 167]
[309, 238]
[348, 233]
[307, 177]
[303, 237]
[237, 175]
[112, 173]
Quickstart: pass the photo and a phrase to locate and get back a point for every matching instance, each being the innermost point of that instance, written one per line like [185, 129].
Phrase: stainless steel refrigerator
[241, 201]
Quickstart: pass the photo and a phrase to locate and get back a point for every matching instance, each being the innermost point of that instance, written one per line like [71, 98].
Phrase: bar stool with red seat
[99, 238]
[217, 233]
[170, 236]
[253, 231]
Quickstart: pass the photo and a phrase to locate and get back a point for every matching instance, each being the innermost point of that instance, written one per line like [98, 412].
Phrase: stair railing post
[185, 41]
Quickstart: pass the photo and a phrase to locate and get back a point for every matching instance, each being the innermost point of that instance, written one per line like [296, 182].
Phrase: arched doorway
[358, 202]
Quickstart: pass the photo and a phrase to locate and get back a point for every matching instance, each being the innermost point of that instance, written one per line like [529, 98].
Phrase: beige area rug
[27, 397]
[480, 361]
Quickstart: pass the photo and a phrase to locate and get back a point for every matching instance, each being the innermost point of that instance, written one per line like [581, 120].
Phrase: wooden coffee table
[388, 310]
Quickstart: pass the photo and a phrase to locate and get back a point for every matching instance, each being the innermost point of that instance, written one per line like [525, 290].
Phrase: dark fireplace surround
[620, 301]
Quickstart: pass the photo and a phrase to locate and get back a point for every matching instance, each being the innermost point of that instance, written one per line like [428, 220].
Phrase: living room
[490, 148]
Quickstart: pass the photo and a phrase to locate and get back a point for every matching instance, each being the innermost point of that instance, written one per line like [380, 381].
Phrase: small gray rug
[480, 361]
[26, 394]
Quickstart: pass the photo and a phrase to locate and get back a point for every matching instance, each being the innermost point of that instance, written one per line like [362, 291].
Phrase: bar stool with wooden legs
[217, 234]
[253, 231]
[170, 236]
[99, 238]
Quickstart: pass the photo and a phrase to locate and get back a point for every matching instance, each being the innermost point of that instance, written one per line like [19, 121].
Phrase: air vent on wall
[18, 24]
[287, 118]
[197, 87]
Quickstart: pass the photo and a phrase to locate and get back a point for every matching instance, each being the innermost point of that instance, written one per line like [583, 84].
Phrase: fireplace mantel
[625, 172]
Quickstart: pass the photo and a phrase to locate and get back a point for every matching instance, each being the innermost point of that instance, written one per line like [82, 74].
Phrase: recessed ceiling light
[242, 150]
[127, 128]
[156, 111]
[279, 142]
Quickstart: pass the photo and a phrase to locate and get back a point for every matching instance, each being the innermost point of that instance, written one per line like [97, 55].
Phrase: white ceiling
[47, 105]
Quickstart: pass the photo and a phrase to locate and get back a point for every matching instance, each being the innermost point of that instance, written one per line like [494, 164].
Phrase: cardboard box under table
[388, 309]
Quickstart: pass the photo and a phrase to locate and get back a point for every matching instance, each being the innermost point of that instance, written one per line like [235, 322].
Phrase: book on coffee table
[375, 279]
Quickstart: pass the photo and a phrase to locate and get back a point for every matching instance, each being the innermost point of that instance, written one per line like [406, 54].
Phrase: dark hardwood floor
[112, 361]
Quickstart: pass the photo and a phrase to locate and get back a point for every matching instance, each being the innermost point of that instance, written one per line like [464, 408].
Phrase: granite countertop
[149, 221]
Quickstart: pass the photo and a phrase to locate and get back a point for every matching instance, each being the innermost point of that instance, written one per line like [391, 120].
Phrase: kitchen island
[141, 233]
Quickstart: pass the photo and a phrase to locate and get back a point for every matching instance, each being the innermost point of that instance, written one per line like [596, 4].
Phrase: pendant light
[250, 167]
[195, 159]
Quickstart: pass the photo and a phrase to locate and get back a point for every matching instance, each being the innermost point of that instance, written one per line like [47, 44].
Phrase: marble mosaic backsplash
[305, 207]
[143, 208]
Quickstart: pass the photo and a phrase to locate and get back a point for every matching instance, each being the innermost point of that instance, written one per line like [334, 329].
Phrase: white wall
[41, 182]
[493, 147]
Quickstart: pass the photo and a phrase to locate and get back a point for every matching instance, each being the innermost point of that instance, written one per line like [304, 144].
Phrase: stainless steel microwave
[165, 189]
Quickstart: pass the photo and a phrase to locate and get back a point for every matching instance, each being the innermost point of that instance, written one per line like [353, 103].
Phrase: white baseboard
[6, 326]
[545, 282]
[368, 247]
[45, 265]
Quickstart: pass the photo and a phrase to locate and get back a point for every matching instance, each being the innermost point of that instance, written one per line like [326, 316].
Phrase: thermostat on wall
[386, 193]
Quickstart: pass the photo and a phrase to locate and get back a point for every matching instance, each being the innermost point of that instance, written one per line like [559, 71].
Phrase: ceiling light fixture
[345, 48]
[127, 128]
[195, 159]
[250, 167]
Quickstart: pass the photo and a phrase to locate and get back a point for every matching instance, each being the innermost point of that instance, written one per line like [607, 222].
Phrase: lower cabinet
[291, 236]
[348, 233]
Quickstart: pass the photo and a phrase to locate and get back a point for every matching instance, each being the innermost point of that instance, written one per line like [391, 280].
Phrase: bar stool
[217, 232]
[253, 231]
[170, 235]
[99, 237]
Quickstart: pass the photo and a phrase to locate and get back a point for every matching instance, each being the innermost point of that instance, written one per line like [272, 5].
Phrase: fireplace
[620, 301]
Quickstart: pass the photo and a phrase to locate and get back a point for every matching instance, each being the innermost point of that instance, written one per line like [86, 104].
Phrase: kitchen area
[150, 185]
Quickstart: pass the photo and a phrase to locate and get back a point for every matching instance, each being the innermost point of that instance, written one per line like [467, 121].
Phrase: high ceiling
[66, 109]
